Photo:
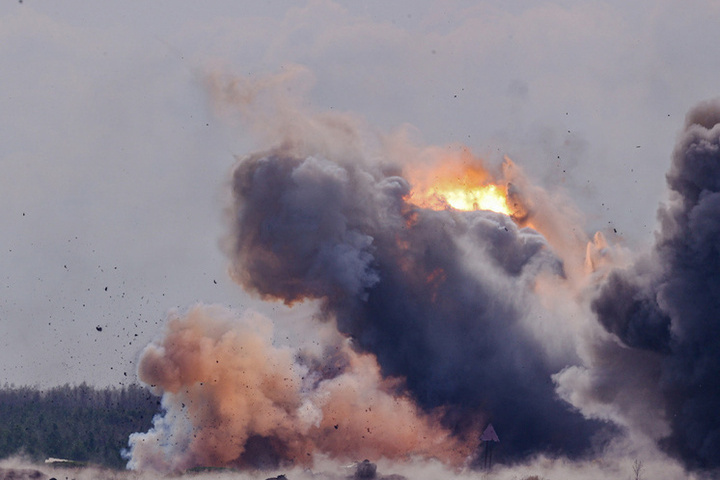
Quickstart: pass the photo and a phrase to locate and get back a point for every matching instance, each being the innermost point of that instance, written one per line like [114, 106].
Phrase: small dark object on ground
[366, 469]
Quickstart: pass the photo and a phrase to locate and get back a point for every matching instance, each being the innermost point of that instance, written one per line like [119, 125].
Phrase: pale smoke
[233, 399]
[540, 467]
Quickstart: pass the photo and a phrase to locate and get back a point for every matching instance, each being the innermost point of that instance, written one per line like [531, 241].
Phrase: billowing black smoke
[668, 303]
[442, 298]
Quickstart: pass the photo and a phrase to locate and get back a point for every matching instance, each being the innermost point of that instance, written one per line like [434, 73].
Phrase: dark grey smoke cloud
[666, 307]
[439, 297]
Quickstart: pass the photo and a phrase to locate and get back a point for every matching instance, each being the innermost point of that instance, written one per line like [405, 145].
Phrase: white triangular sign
[489, 435]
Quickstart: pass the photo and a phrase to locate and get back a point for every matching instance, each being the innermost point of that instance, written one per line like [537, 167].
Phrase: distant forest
[78, 423]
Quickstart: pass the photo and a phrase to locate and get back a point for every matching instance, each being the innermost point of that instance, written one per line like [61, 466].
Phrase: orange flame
[463, 188]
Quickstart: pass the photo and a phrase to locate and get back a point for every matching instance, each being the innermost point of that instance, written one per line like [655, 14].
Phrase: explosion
[432, 297]
[438, 311]
[465, 190]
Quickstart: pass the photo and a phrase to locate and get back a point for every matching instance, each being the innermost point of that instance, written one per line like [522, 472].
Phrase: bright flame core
[467, 190]
[488, 197]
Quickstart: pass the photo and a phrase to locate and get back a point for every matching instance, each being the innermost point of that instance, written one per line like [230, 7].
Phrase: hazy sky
[113, 163]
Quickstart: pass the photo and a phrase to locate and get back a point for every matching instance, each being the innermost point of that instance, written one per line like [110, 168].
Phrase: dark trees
[78, 423]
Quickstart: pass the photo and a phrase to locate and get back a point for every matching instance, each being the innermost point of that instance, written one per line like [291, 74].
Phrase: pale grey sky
[113, 163]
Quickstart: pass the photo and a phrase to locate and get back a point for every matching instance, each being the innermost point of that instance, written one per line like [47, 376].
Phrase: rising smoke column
[441, 298]
[440, 322]
[665, 309]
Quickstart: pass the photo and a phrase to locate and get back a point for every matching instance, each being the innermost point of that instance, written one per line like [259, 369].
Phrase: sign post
[489, 437]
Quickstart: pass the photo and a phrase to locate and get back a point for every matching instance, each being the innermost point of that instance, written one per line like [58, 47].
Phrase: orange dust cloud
[233, 399]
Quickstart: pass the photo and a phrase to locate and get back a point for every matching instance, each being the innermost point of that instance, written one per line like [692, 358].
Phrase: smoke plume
[665, 311]
[439, 297]
[443, 299]
[432, 323]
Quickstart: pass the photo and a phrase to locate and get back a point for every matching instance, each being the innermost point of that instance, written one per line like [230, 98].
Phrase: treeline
[78, 423]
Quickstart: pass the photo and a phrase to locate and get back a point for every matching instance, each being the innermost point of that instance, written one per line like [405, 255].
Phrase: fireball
[470, 188]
